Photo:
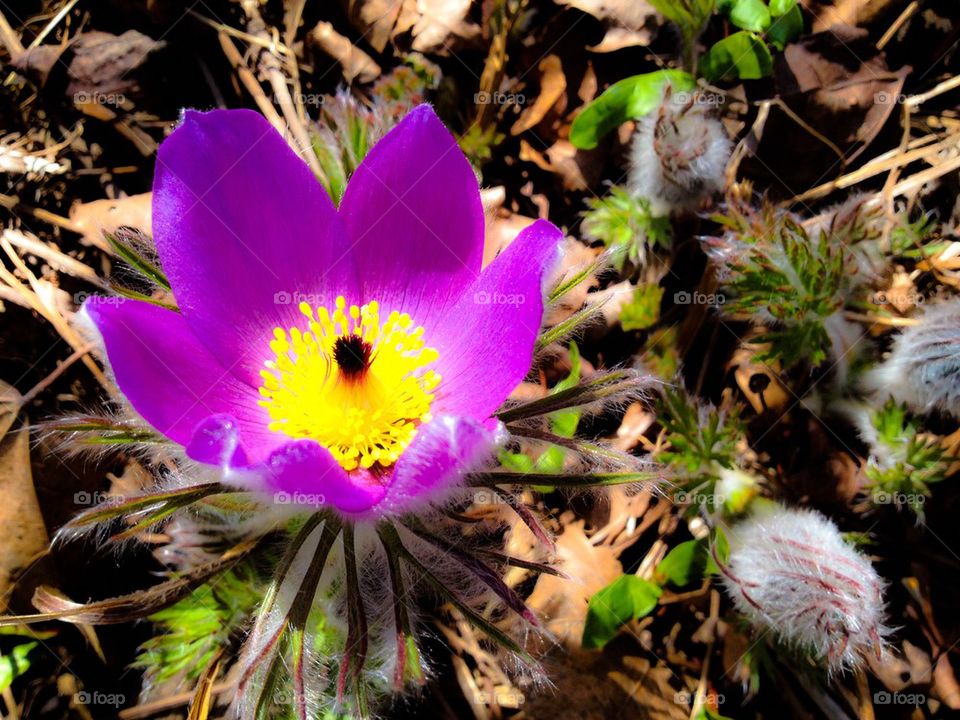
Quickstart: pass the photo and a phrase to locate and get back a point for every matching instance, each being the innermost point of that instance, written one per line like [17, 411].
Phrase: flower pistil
[358, 385]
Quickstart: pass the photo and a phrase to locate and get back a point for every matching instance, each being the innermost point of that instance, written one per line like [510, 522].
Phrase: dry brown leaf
[501, 230]
[100, 216]
[102, 61]
[848, 12]
[630, 22]
[435, 24]
[945, 684]
[651, 688]
[356, 64]
[24, 533]
[553, 88]
[562, 603]
[636, 421]
[376, 19]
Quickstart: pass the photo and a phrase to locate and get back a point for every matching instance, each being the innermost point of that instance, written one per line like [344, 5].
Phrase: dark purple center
[352, 355]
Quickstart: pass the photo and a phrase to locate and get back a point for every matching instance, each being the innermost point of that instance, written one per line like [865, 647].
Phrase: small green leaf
[643, 310]
[685, 564]
[742, 55]
[632, 97]
[781, 7]
[721, 548]
[785, 28]
[15, 664]
[626, 598]
[708, 714]
[751, 15]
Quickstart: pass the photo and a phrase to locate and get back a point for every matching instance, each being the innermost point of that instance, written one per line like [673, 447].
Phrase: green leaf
[632, 97]
[721, 547]
[643, 310]
[626, 598]
[742, 55]
[708, 714]
[785, 28]
[15, 664]
[685, 564]
[751, 15]
[781, 7]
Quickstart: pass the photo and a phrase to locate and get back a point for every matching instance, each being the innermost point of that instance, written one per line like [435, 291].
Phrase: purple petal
[486, 341]
[173, 381]
[216, 441]
[413, 214]
[441, 453]
[303, 472]
[242, 227]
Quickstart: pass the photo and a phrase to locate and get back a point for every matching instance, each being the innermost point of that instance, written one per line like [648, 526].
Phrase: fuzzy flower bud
[679, 154]
[923, 368]
[791, 573]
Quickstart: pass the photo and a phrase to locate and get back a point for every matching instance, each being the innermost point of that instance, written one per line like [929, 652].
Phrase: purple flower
[350, 356]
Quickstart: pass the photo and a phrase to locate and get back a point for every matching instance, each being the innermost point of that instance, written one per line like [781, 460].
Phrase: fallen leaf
[356, 64]
[553, 87]
[629, 22]
[562, 603]
[100, 216]
[24, 533]
[102, 61]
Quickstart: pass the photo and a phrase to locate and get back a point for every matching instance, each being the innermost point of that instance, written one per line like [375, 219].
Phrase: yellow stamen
[356, 384]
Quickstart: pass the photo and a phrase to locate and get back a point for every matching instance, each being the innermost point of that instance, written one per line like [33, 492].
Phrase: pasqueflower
[345, 356]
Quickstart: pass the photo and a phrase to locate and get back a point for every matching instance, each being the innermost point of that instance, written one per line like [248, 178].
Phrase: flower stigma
[358, 385]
